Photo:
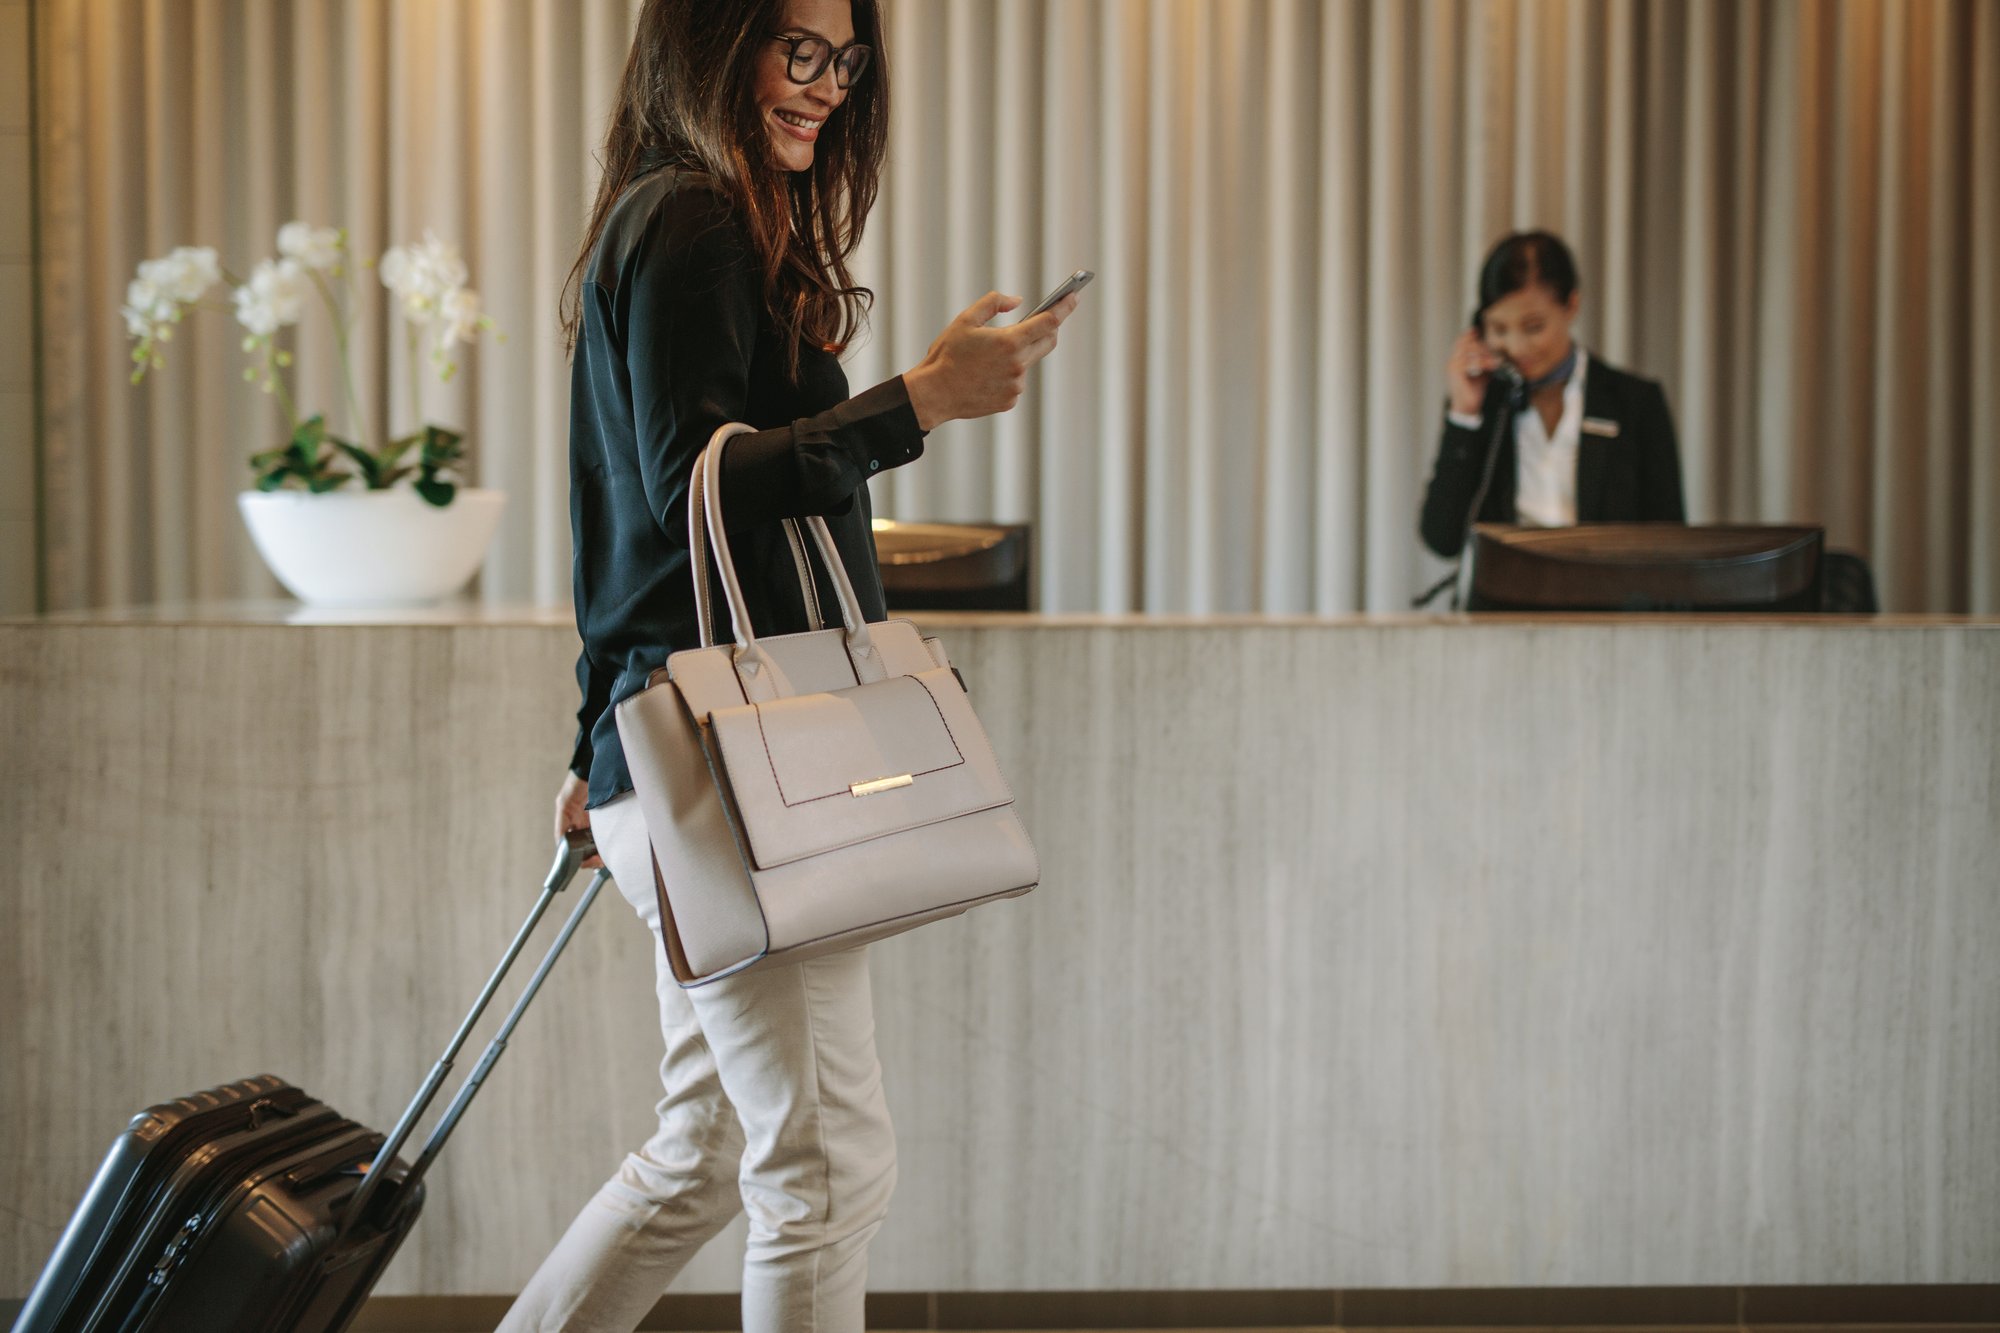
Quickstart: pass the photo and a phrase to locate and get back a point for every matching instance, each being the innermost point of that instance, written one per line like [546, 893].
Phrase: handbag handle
[704, 611]
[709, 516]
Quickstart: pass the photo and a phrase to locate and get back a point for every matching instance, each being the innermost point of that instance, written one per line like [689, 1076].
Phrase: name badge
[1600, 426]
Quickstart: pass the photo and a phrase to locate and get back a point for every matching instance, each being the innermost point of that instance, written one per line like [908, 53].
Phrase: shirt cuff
[891, 436]
[1464, 421]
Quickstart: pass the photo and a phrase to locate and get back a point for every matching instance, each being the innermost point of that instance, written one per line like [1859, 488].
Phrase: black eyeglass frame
[846, 79]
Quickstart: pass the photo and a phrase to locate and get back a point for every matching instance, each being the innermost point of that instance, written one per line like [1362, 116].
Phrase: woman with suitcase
[739, 169]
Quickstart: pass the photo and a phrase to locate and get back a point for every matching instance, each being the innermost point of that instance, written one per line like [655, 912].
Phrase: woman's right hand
[571, 814]
[1466, 374]
[973, 370]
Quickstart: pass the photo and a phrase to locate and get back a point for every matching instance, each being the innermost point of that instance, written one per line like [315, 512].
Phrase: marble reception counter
[1375, 952]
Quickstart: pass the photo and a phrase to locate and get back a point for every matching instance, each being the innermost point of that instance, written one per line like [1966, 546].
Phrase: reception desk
[1392, 953]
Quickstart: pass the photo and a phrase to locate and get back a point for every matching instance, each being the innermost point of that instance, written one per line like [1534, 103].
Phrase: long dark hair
[688, 98]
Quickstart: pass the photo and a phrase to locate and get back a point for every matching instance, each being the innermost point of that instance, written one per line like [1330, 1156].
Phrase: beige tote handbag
[810, 792]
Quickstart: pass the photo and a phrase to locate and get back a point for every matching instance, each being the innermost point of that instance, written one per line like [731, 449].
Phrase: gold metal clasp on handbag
[881, 784]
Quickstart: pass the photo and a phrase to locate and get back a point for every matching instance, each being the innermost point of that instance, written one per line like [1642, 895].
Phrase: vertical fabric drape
[182, 122]
[1786, 210]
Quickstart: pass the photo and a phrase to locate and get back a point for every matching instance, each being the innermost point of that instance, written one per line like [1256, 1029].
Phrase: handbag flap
[815, 772]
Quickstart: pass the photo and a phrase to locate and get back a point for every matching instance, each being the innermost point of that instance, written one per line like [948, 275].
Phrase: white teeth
[790, 118]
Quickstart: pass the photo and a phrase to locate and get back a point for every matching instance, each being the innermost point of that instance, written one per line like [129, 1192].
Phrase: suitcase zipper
[265, 1107]
[170, 1258]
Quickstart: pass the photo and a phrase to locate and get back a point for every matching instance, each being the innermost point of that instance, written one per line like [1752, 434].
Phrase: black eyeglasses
[811, 55]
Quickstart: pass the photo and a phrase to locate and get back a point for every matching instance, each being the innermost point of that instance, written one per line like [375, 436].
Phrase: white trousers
[773, 1103]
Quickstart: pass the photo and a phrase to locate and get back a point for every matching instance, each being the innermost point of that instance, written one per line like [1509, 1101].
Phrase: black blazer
[1632, 477]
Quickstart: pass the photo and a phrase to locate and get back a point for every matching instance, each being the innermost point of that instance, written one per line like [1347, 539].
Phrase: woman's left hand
[975, 370]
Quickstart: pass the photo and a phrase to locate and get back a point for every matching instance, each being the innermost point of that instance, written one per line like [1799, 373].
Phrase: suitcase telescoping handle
[575, 848]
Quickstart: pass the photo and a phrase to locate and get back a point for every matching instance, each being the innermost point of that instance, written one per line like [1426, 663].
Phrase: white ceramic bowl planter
[371, 548]
[377, 544]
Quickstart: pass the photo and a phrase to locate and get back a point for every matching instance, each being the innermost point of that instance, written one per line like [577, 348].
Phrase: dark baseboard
[1966, 1307]
[1731, 1308]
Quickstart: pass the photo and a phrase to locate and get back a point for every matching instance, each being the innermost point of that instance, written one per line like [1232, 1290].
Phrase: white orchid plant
[428, 281]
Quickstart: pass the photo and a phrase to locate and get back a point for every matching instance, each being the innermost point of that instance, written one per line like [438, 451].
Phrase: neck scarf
[1560, 375]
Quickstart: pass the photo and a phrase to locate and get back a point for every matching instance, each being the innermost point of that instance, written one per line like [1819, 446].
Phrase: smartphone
[1075, 282]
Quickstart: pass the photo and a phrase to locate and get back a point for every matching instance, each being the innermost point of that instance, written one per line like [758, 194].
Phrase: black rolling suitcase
[253, 1206]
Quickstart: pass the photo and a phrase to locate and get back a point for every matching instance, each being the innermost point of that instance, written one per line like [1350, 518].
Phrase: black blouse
[675, 341]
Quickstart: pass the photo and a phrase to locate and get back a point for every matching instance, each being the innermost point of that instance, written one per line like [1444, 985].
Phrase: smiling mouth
[803, 128]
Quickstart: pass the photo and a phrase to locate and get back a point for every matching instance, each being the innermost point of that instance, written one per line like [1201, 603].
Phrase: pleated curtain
[1788, 211]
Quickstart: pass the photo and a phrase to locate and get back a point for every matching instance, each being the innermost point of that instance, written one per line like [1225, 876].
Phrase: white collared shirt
[1545, 463]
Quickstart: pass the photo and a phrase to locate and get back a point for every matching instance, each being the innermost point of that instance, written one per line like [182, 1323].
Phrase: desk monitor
[1646, 567]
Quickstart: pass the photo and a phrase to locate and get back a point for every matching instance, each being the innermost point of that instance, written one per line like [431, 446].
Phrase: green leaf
[371, 469]
[394, 475]
[307, 437]
[438, 493]
[304, 459]
[442, 447]
[395, 449]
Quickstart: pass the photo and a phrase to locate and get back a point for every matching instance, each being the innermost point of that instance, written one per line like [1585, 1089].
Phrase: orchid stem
[277, 378]
[340, 332]
[416, 380]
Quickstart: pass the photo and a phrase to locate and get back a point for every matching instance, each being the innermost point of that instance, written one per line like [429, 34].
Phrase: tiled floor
[1969, 1309]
